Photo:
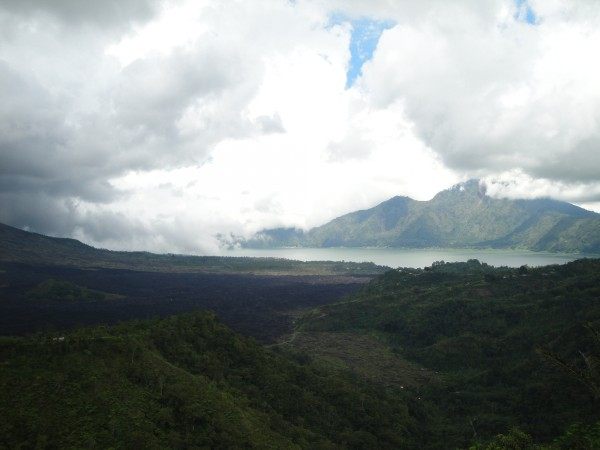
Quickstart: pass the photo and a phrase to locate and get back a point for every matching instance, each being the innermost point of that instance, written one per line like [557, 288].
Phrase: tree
[589, 374]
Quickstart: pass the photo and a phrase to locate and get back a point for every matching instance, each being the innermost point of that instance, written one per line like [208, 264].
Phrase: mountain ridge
[25, 247]
[462, 216]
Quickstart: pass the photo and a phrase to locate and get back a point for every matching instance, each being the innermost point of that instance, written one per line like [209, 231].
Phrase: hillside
[497, 341]
[18, 246]
[186, 382]
[54, 283]
[446, 357]
[461, 217]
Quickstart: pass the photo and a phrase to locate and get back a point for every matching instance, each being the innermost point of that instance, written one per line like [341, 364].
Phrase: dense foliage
[451, 356]
[463, 216]
[186, 382]
[507, 343]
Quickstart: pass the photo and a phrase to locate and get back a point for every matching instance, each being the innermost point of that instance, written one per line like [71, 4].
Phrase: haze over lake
[399, 257]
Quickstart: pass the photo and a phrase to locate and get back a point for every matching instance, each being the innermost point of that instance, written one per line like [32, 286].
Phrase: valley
[256, 305]
[252, 295]
[272, 353]
[299, 225]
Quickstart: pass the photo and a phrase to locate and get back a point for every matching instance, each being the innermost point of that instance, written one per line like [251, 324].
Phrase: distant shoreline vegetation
[31, 248]
[410, 257]
[433, 247]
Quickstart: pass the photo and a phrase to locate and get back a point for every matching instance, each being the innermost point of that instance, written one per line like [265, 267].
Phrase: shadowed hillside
[32, 248]
[58, 283]
[454, 356]
[504, 347]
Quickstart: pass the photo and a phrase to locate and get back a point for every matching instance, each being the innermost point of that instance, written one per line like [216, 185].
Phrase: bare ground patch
[362, 354]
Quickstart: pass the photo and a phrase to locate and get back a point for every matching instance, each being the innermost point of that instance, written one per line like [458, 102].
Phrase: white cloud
[494, 93]
[108, 13]
[516, 184]
[158, 125]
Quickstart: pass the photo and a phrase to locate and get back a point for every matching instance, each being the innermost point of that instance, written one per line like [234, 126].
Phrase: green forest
[508, 347]
[187, 382]
[468, 356]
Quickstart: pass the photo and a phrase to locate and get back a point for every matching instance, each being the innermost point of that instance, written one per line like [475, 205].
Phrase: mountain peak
[470, 188]
[461, 216]
[398, 199]
[473, 185]
[470, 183]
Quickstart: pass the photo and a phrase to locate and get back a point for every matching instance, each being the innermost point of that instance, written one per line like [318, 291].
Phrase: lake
[399, 257]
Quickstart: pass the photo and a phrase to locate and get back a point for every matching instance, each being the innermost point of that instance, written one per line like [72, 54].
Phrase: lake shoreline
[411, 257]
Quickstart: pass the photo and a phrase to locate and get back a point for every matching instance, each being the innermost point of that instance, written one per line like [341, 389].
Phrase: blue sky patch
[363, 42]
[525, 13]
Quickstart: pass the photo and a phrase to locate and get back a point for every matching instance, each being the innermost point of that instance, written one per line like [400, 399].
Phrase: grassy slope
[366, 356]
[479, 327]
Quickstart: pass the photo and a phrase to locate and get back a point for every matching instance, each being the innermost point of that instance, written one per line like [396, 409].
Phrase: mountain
[463, 216]
[19, 246]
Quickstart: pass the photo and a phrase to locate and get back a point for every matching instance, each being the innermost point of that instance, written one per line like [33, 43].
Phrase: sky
[157, 125]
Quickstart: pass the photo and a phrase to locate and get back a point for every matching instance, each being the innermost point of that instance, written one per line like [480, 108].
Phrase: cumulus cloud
[270, 124]
[106, 13]
[516, 184]
[143, 124]
[66, 130]
[493, 93]
[353, 145]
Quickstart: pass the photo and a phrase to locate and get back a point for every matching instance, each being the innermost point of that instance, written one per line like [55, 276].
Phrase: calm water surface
[395, 257]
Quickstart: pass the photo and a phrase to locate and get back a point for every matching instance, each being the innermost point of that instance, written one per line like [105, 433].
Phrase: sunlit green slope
[463, 216]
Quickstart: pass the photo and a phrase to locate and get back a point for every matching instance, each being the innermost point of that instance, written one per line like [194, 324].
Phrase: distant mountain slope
[462, 216]
[31, 248]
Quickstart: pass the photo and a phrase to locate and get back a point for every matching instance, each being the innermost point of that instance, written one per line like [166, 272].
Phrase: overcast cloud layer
[156, 125]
